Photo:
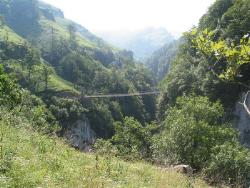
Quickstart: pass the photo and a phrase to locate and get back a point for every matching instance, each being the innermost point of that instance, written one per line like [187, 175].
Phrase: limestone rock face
[243, 121]
[81, 135]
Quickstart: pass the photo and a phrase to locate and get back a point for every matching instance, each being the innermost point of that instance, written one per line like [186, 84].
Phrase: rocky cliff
[243, 121]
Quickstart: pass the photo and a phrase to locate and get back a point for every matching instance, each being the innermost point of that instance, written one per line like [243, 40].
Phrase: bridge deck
[122, 95]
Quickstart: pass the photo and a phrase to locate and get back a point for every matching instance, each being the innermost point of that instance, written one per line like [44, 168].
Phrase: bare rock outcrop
[81, 135]
[243, 119]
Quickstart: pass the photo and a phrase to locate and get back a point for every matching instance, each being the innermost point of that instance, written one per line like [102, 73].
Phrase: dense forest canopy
[49, 63]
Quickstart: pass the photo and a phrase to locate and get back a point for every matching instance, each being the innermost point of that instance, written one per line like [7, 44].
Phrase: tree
[190, 131]
[227, 59]
[46, 71]
[66, 111]
[236, 21]
[215, 13]
[32, 58]
[230, 164]
[72, 34]
[218, 51]
[131, 138]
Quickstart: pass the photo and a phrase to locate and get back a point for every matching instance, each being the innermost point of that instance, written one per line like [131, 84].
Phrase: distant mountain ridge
[143, 42]
[34, 19]
[160, 61]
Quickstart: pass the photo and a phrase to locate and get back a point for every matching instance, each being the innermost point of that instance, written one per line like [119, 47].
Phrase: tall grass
[32, 159]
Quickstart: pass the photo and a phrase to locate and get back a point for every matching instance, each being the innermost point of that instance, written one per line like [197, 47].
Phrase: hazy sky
[99, 16]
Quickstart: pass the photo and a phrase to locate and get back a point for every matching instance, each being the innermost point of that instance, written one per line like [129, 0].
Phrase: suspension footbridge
[120, 95]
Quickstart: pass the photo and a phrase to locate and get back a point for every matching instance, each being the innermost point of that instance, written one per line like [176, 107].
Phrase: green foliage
[230, 163]
[78, 69]
[47, 71]
[159, 62]
[22, 103]
[105, 147]
[30, 159]
[36, 112]
[129, 79]
[66, 111]
[193, 133]
[181, 79]
[101, 120]
[32, 58]
[22, 16]
[7, 33]
[131, 139]
[106, 56]
[79, 57]
[190, 131]
[10, 93]
[208, 65]
[213, 62]
[57, 83]
[190, 75]
[215, 13]
[234, 55]
[236, 20]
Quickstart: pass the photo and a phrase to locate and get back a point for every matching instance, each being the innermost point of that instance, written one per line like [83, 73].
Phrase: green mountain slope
[63, 59]
[56, 62]
[5, 31]
[19, 46]
[213, 61]
[160, 61]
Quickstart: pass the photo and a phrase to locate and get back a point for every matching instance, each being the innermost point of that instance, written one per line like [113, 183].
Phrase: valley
[77, 110]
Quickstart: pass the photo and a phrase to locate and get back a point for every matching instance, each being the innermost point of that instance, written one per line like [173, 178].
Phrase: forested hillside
[159, 62]
[33, 156]
[57, 57]
[213, 65]
[199, 121]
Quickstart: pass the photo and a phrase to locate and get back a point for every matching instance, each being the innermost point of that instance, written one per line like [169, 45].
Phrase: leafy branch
[235, 55]
[226, 51]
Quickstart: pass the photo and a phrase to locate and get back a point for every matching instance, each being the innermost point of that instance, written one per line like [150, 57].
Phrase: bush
[9, 92]
[230, 163]
[193, 133]
[36, 112]
[190, 131]
[105, 147]
[66, 111]
[131, 138]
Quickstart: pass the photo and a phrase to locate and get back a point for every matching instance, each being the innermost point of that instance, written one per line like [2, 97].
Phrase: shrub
[131, 138]
[190, 131]
[230, 163]
[66, 111]
[105, 147]
[9, 92]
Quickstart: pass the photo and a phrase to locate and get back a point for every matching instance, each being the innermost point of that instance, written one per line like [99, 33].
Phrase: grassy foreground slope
[31, 159]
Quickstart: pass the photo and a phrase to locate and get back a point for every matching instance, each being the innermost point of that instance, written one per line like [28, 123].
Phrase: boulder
[184, 169]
